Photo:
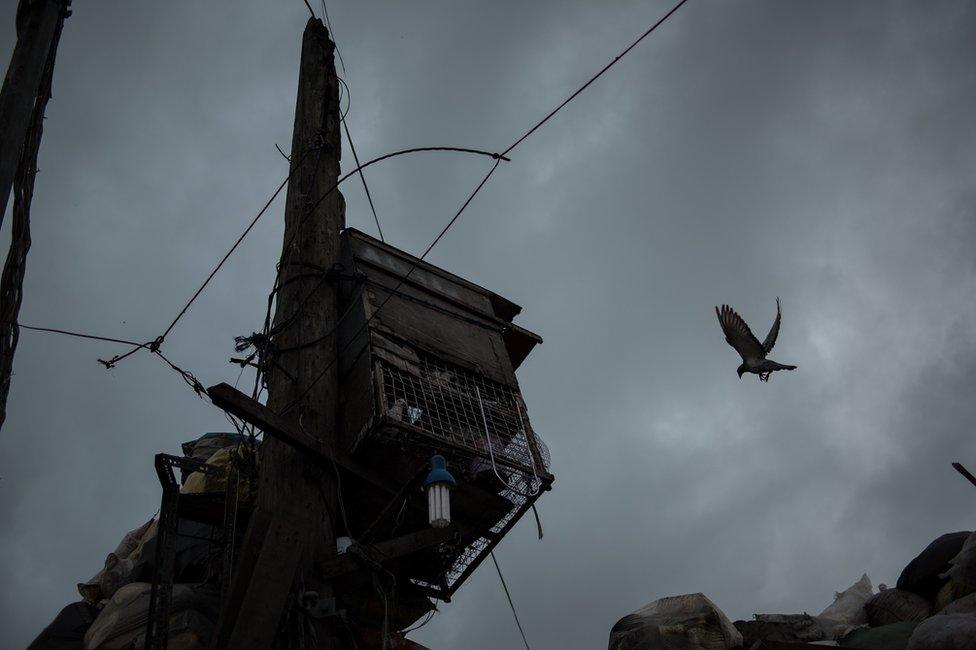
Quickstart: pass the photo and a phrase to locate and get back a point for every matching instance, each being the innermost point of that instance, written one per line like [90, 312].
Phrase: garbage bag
[948, 632]
[199, 482]
[893, 636]
[921, 575]
[963, 564]
[688, 622]
[188, 630]
[67, 630]
[118, 567]
[896, 605]
[848, 605]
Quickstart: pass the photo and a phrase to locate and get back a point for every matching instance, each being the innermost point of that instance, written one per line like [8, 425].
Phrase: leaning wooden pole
[23, 99]
[294, 528]
[38, 24]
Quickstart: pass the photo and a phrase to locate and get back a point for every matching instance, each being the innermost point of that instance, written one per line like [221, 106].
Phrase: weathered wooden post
[292, 531]
[23, 99]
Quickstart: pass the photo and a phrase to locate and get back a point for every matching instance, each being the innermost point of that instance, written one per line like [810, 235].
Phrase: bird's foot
[764, 376]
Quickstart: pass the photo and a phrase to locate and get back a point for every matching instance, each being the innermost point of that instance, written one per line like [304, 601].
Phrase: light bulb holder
[438, 486]
[438, 472]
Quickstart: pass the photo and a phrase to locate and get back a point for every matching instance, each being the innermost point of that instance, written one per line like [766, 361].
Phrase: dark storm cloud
[820, 152]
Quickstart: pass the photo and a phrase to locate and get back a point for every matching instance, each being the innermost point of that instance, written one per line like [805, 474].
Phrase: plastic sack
[123, 619]
[199, 482]
[689, 622]
[949, 632]
[896, 605]
[963, 564]
[848, 605]
[117, 568]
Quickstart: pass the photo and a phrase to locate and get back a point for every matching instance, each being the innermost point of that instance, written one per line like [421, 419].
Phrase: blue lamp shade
[438, 485]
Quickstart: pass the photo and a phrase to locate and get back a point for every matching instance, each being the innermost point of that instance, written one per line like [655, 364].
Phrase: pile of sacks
[114, 606]
[932, 607]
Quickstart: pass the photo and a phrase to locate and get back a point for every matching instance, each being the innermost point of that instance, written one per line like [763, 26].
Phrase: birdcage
[427, 365]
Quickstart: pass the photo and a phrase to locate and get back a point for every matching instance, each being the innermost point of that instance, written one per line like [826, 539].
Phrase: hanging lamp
[438, 485]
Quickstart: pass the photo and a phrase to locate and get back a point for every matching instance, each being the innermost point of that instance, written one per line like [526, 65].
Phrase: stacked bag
[113, 612]
[932, 607]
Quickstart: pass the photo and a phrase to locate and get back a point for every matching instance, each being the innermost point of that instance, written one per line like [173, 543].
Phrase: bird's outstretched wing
[738, 334]
[773, 332]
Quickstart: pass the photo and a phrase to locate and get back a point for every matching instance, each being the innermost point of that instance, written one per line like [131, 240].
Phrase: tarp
[688, 622]
[67, 630]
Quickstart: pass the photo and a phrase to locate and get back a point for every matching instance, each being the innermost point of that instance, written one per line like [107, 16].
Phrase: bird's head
[741, 370]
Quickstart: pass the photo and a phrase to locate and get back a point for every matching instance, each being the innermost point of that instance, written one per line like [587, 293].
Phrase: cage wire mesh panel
[480, 425]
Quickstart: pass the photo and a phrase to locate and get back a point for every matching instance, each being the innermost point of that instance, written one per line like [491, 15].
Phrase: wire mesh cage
[480, 424]
[429, 368]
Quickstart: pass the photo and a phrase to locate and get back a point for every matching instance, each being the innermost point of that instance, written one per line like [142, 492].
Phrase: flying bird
[753, 353]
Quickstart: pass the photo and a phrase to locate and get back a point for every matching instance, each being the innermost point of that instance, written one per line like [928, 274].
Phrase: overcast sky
[821, 152]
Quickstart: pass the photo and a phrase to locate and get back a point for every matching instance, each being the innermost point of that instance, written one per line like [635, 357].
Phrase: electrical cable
[594, 77]
[510, 603]
[403, 279]
[501, 156]
[362, 176]
[81, 335]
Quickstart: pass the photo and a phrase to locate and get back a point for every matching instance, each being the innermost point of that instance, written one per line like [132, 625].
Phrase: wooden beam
[962, 470]
[239, 404]
[254, 538]
[380, 552]
[268, 587]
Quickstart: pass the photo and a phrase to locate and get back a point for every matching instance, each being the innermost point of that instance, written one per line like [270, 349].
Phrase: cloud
[818, 153]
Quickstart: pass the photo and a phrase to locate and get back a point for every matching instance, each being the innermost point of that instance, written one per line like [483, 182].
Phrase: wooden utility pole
[38, 24]
[293, 528]
[23, 99]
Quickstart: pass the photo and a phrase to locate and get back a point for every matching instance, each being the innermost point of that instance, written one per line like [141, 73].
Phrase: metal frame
[167, 530]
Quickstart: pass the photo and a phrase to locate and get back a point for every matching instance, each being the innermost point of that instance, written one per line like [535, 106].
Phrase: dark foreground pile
[932, 607]
[113, 611]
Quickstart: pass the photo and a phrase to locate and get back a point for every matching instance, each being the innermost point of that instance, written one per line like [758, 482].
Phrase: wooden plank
[237, 403]
[250, 550]
[268, 587]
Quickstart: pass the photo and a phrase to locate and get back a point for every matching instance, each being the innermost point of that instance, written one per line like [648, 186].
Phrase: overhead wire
[399, 284]
[160, 339]
[510, 603]
[594, 77]
[344, 120]
[369, 197]
[502, 156]
[80, 335]
[156, 343]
